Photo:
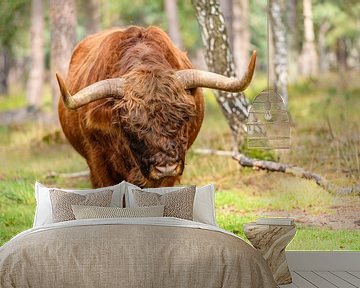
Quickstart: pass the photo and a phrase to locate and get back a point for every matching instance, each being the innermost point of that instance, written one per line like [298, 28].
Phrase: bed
[131, 252]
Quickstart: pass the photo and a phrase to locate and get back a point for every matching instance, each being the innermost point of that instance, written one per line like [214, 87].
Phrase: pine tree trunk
[34, 89]
[280, 50]
[5, 63]
[63, 38]
[308, 59]
[92, 10]
[241, 35]
[173, 22]
[220, 60]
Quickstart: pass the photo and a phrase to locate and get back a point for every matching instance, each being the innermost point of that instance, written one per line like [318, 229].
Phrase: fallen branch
[68, 175]
[284, 168]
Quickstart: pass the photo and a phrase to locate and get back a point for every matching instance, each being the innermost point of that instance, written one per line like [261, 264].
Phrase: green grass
[30, 152]
[14, 100]
[305, 239]
[324, 239]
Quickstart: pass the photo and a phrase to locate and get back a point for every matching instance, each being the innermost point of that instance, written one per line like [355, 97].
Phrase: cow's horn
[99, 90]
[192, 78]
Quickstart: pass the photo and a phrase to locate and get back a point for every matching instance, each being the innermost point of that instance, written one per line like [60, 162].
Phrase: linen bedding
[131, 252]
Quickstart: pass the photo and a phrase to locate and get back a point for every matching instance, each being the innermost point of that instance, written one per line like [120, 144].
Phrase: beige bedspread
[116, 253]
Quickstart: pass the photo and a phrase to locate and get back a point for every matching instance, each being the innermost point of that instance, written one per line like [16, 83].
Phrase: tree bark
[34, 89]
[323, 61]
[241, 35]
[63, 38]
[227, 7]
[341, 54]
[358, 53]
[280, 49]
[173, 22]
[92, 10]
[308, 59]
[292, 40]
[5, 63]
[220, 60]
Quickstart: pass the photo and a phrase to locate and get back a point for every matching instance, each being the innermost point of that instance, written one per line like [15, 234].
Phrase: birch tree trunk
[173, 22]
[241, 34]
[34, 89]
[220, 60]
[280, 50]
[308, 59]
[92, 10]
[63, 37]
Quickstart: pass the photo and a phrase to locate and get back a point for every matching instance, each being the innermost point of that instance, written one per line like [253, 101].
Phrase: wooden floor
[324, 269]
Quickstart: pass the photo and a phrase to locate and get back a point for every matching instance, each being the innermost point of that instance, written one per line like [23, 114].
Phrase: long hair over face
[154, 103]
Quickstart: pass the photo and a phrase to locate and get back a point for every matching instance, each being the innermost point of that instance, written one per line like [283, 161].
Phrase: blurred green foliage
[342, 18]
[14, 24]
[14, 17]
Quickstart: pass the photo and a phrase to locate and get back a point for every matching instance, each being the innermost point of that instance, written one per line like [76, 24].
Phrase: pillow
[61, 202]
[177, 204]
[91, 212]
[43, 213]
[204, 202]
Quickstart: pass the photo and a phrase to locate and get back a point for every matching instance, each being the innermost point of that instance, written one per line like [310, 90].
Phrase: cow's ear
[99, 116]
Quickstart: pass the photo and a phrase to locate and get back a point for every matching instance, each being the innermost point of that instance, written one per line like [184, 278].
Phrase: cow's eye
[188, 91]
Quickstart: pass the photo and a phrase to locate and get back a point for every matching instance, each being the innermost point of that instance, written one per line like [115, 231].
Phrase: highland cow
[131, 105]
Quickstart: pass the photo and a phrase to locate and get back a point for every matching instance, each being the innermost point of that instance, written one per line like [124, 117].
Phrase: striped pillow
[94, 212]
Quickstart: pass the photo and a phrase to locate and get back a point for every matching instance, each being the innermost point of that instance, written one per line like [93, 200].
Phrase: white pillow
[204, 202]
[43, 213]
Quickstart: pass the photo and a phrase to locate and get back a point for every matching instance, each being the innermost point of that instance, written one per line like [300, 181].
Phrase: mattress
[131, 252]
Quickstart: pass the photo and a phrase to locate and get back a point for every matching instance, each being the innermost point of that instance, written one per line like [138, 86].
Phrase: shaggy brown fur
[156, 121]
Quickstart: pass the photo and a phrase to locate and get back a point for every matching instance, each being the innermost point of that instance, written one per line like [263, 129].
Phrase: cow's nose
[167, 170]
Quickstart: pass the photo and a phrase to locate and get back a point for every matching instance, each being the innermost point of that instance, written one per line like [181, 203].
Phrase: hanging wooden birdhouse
[268, 125]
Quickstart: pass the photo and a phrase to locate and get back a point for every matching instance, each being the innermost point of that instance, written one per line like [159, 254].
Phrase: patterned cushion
[178, 203]
[61, 202]
[204, 201]
[91, 212]
[43, 212]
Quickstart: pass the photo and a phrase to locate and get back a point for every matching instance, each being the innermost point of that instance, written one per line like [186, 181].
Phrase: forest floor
[325, 140]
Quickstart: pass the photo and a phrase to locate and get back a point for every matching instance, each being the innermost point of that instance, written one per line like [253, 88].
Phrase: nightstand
[271, 236]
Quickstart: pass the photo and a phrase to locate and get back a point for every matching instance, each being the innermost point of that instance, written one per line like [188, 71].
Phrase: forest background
[318, 42]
